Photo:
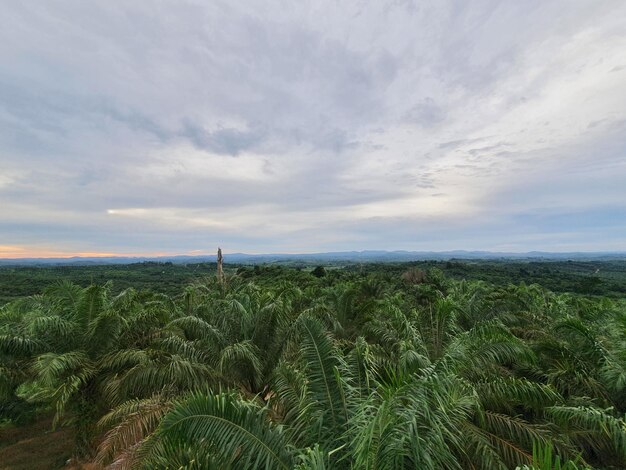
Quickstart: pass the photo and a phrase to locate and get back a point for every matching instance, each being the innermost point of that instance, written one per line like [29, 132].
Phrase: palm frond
[234, 432]
[507, 393]
[129, 424]
[513, 437]
[312, 459]
[23, 346]
[322, 360]
[593, 428]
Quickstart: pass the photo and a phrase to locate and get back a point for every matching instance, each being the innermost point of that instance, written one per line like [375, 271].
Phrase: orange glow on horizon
[17, 252]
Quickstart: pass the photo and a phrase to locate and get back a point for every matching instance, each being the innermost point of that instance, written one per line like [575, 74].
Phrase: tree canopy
[343, 370]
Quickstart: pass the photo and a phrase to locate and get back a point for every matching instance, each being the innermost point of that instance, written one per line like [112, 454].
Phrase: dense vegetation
[597, 277]
[366, 367]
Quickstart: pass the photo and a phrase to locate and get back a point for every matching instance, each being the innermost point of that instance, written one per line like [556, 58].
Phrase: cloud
[312, 126]
[227, 141]
[426, 113]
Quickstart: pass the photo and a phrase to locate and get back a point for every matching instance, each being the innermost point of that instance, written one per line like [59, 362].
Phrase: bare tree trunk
[220, 269]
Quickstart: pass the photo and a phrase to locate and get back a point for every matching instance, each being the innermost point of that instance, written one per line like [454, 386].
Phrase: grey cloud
[593, 124]
[223, 141]
[426, 113]
[316, 99]
[487, 148]
[457, 143]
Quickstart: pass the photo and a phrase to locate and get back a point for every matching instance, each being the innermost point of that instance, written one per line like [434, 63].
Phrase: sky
[174, 127]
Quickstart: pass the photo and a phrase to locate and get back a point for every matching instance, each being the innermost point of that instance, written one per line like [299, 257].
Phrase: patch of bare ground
[37, 446]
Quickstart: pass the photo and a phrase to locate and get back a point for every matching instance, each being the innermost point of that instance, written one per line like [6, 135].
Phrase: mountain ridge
[321, 257]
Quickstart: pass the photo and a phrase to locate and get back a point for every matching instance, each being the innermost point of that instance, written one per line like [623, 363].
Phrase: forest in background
[480, 364]
[598, 277]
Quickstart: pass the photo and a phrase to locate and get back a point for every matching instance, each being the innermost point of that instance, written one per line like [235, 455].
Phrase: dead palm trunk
[220, 269]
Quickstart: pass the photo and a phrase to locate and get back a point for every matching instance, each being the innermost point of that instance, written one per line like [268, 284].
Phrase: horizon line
[87, 255]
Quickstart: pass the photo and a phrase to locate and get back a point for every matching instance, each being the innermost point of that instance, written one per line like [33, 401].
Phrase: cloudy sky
[163, 127]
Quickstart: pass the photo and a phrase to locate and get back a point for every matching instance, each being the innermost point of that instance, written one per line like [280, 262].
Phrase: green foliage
[221, 427]
[367, 369]
[319, 271]
[544, 458]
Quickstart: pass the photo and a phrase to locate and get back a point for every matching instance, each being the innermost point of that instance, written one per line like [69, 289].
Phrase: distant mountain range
[312, 258]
